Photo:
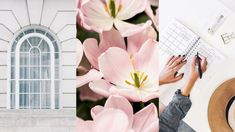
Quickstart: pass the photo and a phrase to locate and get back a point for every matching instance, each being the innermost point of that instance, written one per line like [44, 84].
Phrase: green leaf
[83, 34]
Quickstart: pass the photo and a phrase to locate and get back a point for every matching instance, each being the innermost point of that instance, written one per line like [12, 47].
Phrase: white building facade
[37, 65]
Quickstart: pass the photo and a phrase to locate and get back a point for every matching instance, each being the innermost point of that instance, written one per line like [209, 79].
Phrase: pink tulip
[79, 53]
[150, 12]
[103, 15]
[132, 76]
[110, 39]
[117, 116]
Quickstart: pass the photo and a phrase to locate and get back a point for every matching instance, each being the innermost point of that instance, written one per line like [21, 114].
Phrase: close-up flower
[103, 15]
[117, 116]
[131, 76]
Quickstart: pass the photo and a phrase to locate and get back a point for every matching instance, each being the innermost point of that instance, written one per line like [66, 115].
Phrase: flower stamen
[138, 80]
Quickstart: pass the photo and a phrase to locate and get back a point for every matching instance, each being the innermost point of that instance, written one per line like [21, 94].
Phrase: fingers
[177, 61]
[193, 63]
[177, 78]
[203, 63]
[169, 60]
[179, 66]
[173, 60]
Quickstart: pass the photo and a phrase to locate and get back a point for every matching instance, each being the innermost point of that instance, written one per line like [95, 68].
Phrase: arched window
[34, 67]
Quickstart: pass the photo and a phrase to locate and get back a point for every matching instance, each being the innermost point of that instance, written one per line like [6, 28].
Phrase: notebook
[177, 39]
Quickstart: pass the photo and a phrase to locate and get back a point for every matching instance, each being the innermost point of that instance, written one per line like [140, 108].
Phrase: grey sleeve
[172, 115]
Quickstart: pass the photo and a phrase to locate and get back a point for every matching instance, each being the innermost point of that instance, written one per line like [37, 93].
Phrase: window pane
[46, 101]
[34, 86]
[57, 100]
[35, 101]
[24, 100]
[19, 37]
[45, 86]
[45, 72]
[13, 86]
[12, 72]
[57, 86]
[40, 31]
[24, 72]
[34, 57]
[44, 46]
[56, 58]
[46, 59]
[29, 31]
[25, 47]
[34, 73]
[57, 75]
[13, 46]
[24, 87]
[34, 41]
[50, 37]
[56, 47]
[12, 101]
[12, 59]
[24, 58]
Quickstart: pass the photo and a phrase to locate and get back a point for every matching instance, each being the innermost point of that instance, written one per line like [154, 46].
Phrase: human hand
[170, 70]
[194, 70]
[193, 75]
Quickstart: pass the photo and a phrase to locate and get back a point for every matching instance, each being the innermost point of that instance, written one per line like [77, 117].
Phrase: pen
[198, 60]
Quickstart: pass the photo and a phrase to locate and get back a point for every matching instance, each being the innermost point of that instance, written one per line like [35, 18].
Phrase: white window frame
[17, 66]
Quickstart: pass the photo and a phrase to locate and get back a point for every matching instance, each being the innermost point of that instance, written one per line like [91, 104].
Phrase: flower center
[138, 79]
[112, 8]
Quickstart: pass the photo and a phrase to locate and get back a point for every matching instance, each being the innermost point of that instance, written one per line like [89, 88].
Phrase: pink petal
[83, 126]
[87, 94]
[96, 16]
[100, 87]
[129, 93]
[90, 76]
[147, 59]
[121, 103]
[136, 41]
[149, 12]
[116, 66]
[96, 110]
[130, 8]
[79, 53]
[145, 117]
[92, 51]
[128, 29]
[111, 38]
[111, 120]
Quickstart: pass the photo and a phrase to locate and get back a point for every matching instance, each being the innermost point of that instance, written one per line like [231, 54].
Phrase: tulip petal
[111, 120]
[90, 76]
[128, 29]
[79, 53]
[111, 38]
[116, 66]
[83, 126]
[147, 59]
[85, 93]
[145, 117]
[96, 110]
[96, 16]
[100, 87]
[130, 8]
[128, 93]
[136, 41]
[92, 51]
[119, 102]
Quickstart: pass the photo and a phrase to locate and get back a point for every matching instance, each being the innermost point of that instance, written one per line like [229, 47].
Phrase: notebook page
[179, 40]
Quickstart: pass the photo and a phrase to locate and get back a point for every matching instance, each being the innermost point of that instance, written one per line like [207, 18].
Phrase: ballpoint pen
[198, 61]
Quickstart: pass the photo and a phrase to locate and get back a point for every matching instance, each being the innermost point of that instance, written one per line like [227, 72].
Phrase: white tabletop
[198, 16]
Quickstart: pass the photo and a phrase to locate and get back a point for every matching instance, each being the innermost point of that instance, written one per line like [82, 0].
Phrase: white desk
[196, 14]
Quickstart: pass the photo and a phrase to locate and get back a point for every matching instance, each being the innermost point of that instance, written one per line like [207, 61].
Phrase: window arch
[34, 67]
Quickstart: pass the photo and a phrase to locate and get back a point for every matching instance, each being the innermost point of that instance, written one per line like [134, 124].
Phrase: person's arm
[193, 75]
[169, 73]
[179, 106]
